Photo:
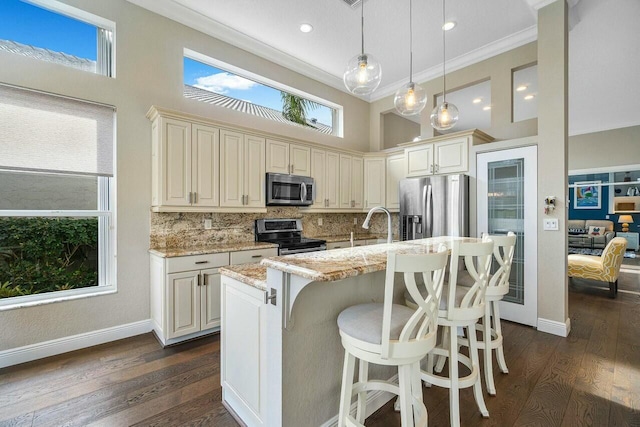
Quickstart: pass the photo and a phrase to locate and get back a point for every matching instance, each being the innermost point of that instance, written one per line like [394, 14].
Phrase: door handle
[198, 279]
[304, 192]
[204, 280]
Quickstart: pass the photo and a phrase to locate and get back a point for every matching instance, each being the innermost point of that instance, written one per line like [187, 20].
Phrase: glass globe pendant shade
[410, 99]
[444, 116]
[363, 74]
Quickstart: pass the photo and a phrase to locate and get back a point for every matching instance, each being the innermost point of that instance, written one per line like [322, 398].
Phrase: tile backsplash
[185, 229]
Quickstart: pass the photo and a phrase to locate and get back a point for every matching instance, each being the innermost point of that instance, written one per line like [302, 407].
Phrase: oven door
[290, 251]
[291, 190]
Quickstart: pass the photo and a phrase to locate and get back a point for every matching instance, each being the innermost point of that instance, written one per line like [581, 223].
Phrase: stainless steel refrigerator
[434, 206]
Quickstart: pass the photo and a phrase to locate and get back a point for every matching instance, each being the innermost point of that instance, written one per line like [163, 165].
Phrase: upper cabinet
[442, 155]
[286, 158]
[351, 182]
[375, 181]
[395, 171]
[242, 170]
[185, 163]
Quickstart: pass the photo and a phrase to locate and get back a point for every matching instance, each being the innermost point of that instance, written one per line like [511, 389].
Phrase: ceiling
[602, 37]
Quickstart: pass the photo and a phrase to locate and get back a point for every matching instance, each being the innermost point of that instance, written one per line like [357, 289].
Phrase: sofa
[605, 268]
[590, 233]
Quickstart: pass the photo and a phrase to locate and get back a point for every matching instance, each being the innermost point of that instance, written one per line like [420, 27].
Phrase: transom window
[56, 192]
[212, 81]
[55, 32]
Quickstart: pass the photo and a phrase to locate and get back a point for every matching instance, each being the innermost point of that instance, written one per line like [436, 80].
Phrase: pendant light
[411, 98]
[445, 115]
[363, 73]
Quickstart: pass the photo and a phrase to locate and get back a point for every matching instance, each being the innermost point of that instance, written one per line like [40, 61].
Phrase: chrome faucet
[365, 225]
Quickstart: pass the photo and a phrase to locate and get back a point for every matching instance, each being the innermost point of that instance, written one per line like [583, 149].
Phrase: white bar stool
[393, 335]
[461, 307]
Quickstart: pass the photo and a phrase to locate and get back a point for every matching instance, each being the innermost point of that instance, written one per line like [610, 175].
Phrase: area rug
[597, 252]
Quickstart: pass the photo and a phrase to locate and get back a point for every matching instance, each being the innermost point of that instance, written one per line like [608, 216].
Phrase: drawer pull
[202, 262]
[256, 256]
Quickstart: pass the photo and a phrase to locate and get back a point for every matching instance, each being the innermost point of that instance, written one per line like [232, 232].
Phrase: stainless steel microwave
[290, 190]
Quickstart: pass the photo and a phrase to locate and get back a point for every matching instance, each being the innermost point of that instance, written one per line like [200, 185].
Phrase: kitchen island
[281, 355]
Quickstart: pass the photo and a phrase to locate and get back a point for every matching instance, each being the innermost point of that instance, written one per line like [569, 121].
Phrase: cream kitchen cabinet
[242, 170]
[185, 295]
[374, 182]
[286, 158]
[325, 172]
[185, 164]
[396, 171]
[351, 182]
[442, 157]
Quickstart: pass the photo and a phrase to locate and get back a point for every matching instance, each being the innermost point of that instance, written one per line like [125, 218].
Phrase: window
[55, 32]
[56, 182]
[474, 105]
[525, 93]
[215, 82]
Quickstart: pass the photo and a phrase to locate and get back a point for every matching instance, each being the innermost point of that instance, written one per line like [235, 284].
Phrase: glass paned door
[507, 194]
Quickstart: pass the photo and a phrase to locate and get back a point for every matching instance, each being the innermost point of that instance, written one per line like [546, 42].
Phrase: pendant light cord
[362, 24]
[444, 58]
[410, 42]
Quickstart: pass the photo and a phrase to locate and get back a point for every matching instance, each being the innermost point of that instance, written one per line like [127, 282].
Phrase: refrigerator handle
[427, 229]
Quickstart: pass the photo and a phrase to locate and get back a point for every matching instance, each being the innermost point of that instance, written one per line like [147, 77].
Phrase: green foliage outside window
[47, 254]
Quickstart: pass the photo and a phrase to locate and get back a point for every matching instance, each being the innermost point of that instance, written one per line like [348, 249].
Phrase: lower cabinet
[242, 351]
[185, 292]
[347, 243]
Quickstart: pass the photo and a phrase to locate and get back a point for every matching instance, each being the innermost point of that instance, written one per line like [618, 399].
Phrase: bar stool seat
[392, 335]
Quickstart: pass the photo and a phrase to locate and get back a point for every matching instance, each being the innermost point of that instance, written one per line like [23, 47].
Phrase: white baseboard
[375, 400]
[31, 352]
[556, 328]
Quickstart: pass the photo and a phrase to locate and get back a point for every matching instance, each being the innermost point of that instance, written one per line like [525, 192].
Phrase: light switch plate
[208, 224]
[320, 221]
[550, 224]
[355, 221]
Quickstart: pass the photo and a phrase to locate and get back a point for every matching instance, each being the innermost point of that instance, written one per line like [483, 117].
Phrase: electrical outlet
[355, 221]
[550, 224]
[320, 221]
[208, 224]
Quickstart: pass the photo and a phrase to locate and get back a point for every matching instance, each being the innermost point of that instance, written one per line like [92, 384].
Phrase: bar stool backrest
[503, 250]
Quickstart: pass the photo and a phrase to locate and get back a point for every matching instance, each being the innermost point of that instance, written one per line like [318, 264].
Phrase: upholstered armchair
[605, 268]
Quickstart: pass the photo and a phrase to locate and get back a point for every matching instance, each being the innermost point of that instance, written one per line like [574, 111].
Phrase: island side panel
[312, 352]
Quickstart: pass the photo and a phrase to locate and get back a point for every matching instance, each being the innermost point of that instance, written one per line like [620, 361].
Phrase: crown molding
[485, 52]
[539, 4]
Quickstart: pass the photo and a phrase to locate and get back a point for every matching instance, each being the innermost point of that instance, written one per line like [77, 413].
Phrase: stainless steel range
[287, 234]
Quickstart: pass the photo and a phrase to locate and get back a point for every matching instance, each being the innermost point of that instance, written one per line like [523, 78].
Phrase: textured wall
[187, 229]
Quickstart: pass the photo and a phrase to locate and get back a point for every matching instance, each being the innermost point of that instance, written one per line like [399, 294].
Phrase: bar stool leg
[498, 327]
[405, 382]
[446, 343]
[416, 388]
[488, 351]
[347, 387]
[454, 390]
[475, 363]
[363, 377]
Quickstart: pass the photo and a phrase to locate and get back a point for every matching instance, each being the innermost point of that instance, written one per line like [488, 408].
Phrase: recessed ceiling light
[486, 107]
[477, 100]
[449, 25]
[528, 97]
[306, 28]
[521, 88]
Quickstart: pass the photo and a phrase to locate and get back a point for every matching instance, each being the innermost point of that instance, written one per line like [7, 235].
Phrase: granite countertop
[211, 249]
[250, 274]
[326, 266]
[346, 237]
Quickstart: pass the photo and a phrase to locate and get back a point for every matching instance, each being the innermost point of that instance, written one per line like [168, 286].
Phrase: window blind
[44, 132]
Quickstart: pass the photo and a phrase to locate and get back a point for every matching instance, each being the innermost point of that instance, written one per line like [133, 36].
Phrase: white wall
[149, 72]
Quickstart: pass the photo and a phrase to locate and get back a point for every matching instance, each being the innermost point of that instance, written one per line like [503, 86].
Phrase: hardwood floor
[591, 378]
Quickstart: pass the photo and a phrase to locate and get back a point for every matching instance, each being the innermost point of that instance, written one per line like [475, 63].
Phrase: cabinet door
[300, 160]
[318, 166]
[345, 181]
[176, 162]
[231, 168]
[395, 172]
[451, 156]
[374, 182]
[419, 160]
[254, 173]
[183, 304]
[332, 180]
[277, 157]
[205, 166]
[210, 299]
[357, 182]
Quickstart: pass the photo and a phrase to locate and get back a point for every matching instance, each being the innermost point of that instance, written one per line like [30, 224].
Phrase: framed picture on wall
[586, 195]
